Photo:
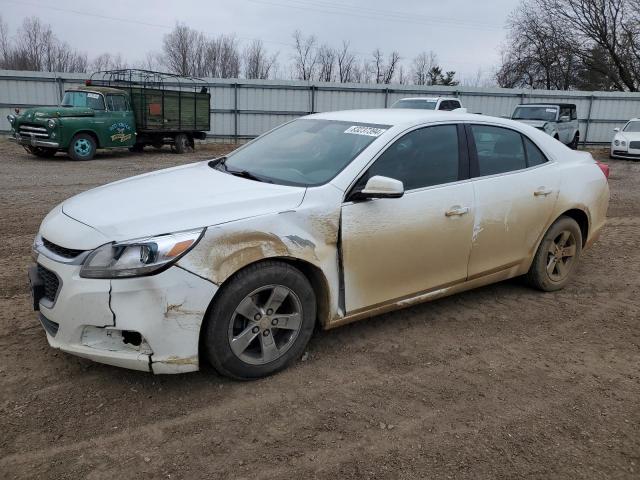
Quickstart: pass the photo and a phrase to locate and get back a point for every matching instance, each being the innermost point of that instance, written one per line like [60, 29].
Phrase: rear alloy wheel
[557, 256]
[574, 143]
[261, 322]
[183, 143]
[82, 147]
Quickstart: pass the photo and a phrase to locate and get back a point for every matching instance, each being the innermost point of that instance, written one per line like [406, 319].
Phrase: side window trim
[463, 158]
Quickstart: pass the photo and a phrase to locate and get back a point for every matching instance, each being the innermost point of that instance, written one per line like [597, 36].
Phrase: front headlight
[623, 143]
[11, 119]
[616, 142]
[139, 257]
[52, 123]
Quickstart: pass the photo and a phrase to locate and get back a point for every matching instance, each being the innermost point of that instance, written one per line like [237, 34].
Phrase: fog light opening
[134, 338]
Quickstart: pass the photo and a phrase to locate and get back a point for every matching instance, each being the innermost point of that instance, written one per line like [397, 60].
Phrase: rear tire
[183, 143]
[261, 321]
[82, 147]
[557, 256]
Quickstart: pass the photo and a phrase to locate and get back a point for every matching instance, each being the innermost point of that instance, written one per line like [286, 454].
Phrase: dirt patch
[501, 382]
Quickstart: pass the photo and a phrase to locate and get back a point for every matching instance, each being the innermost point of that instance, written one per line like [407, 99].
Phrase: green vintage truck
[114, 109]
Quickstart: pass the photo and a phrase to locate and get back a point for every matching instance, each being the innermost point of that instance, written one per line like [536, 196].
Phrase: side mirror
[565, 118]
[381, 187]
[617, 129]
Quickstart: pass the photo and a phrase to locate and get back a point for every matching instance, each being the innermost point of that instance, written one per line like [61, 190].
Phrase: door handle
[456, 211]
[542, 192]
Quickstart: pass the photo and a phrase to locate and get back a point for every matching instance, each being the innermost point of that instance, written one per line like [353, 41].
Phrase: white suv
[558, 120]
[429, 103]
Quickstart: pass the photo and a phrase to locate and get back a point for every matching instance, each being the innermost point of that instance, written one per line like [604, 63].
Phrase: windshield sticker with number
[368, 131]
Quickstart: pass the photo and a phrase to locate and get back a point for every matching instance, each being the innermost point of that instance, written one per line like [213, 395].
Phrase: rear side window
[499, 150]
[422, 158]
[116, 103]
[534, 155]
[449, 105]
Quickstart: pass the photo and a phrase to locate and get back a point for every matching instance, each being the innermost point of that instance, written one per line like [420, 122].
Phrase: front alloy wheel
[561, 255]
[260, 321]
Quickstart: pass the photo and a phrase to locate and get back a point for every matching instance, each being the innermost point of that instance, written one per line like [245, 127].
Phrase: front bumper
[625, 154]
[148, 323]
[33, 141]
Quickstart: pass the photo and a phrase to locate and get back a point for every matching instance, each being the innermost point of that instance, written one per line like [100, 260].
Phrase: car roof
[428, 99]
[402, 116]
[561, 105]
[95, 89]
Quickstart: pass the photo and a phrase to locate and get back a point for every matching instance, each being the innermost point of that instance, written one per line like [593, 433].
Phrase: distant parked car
[559, 120]
[429, 103]
[626, 141]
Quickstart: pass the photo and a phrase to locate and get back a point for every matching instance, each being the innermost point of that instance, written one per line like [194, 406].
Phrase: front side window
[91, 100]
[499, 150]
[303, 152]
[116, 103]
[565, 112]
[548, 114]
[419, 104]
[422, 158]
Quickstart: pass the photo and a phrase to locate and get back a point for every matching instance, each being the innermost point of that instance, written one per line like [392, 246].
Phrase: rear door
[515, 190]
[397, 248]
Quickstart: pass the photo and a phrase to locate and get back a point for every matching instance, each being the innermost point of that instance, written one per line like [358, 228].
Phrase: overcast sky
[465, 34]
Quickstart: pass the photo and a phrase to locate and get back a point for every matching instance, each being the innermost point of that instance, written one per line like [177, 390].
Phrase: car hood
[175, 199]
[534, 123]
[41, 113]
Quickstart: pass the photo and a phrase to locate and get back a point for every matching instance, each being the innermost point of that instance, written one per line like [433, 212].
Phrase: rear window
[419, 104]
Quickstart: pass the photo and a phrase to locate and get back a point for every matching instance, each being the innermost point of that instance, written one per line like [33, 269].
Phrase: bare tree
[107, 61]
[257, 62]
[305, 57]
[180, 49]
[5, 47]
[421, 65]
[326, 63]
[346, 62]
[384, 71]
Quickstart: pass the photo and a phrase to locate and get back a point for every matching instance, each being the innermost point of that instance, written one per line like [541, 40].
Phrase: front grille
[50, 326]
[29, 130]
[51, 283]
[634, 145]
[61, 251]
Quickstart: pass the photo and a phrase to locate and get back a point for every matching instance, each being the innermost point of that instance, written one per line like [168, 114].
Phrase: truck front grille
[29, 130]
[634, 145]
[51, 283]
[61, 251]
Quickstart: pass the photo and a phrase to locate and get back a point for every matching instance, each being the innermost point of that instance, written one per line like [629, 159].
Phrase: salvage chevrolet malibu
[325, 220]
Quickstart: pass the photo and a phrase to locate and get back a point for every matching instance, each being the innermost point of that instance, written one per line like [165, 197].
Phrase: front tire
[261, 321]
[82, 147]
[557, 256]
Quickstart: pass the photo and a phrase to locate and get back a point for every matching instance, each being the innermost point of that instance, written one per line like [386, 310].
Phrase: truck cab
[559, 120]
[88, 118]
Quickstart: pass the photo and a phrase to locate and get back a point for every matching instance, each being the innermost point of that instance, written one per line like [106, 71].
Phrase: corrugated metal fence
[242, 109]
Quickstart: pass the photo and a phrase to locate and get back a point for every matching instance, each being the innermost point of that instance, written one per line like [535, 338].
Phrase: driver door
[397, 248]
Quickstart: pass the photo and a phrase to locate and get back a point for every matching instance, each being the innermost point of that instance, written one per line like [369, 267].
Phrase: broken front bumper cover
[32, 141]
[97, 319]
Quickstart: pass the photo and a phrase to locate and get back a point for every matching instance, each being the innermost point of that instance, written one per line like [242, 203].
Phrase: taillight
[605, 169]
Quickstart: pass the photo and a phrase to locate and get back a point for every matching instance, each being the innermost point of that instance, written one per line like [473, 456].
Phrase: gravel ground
[500, 382]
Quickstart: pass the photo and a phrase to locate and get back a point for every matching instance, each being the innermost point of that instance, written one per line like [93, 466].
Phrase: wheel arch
[582, 219]
[93, 134]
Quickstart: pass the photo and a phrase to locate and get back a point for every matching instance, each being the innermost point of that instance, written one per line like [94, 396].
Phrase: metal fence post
[386, 97]
[60, 83]
[235, 112]
[586, 128]
[312, 100]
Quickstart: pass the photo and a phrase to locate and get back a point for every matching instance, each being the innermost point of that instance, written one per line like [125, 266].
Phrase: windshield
[304, 152]
[547, 114]
[421, 104]
[632, 127]
[83, 99]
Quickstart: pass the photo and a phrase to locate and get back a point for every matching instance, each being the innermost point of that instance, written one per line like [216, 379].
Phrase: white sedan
[626, 141]
[323, 221]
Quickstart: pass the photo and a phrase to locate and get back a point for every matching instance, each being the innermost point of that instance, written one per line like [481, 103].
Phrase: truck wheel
[42, 152]
[183, 143]
[261, 321]
[574, 143]
[82, 147]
